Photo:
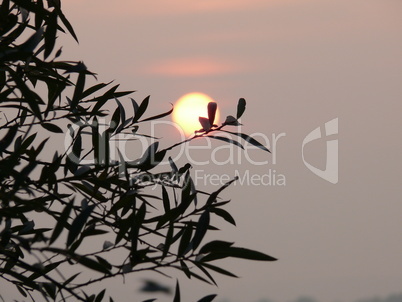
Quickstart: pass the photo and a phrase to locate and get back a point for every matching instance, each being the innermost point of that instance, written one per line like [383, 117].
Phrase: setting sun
[189, 108]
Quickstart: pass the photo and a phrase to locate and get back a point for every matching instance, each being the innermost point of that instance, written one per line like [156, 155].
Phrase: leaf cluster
[105, 198]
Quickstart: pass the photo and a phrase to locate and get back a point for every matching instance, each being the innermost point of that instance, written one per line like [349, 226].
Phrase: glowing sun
[189, 108]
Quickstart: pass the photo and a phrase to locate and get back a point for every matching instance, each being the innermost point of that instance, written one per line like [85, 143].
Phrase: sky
[299, 64]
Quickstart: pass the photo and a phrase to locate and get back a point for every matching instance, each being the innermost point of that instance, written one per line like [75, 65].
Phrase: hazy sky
[299, 64]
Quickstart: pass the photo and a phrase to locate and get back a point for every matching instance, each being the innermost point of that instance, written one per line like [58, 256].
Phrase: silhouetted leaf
[211, 112]
[61, 222]
[224, 214]
[228, 140]
[249, 139]
[29, 45]
[155, 117]
[45, 270]
[200, 231]
[184, 245]
[8, 138]
[94, 89]
[168, 240]
[78, 224]
[177, 293]
[237, 252]
[215, 245]
[206, 125]
[208, 298]
[79, 87]
[135, 229]
[212, 197]
[104, 262]
[218, 269]
[241, 106]
[50, 289]
[101, 100]
[50, 33]
[52, 127]
[107, 244]
[65, 21]
[100, 296]
[92, 264]
[141, 109]
[165, 197]
[232, 121]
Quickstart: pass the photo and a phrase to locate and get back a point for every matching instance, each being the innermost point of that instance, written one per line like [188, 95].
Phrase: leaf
[107, 244]
[141, 109]
[30, 44]
[208, 298]
[62, 221]
[79, 87]
[224, 214]
[65, 21]
[52, 127]
[215, 245]
[135, 229]
[218, 269]
[241, 106]
[211, 112]
[231, 120]
[115, 120]
[100, 296]
[249, 139]
[8, 138]
[237, 252]
[78, 224]
[21, 290]
[92, 264]
[206, 125]
[177, 292]
[168, 240]
[228, 140]
[50, 33]
[165, 198]
[94, 89]
[147, 158]
[200, 231]
[135, 105]
[184, 245]
[157, 116]
[50, 289]
[212, 197]
[45, 270]
[104, 262]
[101, 100]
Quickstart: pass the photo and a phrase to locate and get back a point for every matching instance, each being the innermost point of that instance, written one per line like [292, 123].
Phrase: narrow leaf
[78, 224]
[52, 127]
[224, 214]
[202, 227]
[141, 109]
[177, 293]
[249, 139]
[228, 140]
[241, 106]
[158, 116]
[62, 221]
[211, 112]
[208, 298]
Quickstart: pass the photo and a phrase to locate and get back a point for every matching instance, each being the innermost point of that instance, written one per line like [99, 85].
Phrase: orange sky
[299, 64]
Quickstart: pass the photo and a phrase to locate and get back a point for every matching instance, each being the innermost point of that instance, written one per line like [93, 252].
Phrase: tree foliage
[55, 201]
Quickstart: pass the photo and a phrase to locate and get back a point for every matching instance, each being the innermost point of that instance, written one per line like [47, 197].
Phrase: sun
[189, 108]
